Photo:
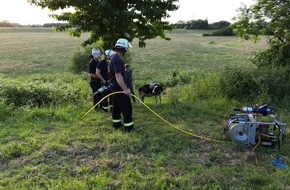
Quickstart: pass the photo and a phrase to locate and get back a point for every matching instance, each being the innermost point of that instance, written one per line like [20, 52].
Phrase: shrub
[240, 83]
[202, 97]
[5, 111]
[80, 59]
[274, 56]
[201, 87]
[43, 91]
[228, 31]
[178, 78]
[172, 96]
[260, 85]
[274, 69]
[206, 34]
[276, 79]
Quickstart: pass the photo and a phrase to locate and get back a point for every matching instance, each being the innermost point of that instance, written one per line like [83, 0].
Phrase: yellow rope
[182, 130]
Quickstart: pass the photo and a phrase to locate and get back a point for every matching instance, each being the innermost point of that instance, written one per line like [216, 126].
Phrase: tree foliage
[201, 24]
[266, 17]
[109, 20]
[5, 23]
[275, 12]
[220, 25]
[227, 31]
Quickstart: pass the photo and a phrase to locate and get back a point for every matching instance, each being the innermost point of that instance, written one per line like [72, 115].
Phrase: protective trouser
[95, 85]
[122, 105]
[103, 104]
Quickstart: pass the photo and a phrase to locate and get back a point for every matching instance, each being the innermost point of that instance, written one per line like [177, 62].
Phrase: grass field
[54, 148]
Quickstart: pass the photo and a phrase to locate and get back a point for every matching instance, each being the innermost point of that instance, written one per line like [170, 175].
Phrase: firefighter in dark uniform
[121, 101]
[102, 72]
[95, 82]
[108, 54]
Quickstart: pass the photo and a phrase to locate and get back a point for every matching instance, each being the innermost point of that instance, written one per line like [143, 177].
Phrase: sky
[19, 11]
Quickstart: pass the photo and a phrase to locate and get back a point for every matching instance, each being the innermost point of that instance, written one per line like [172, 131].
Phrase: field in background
[54, 148]
[188, 51]
[27, 51]
[41, 50]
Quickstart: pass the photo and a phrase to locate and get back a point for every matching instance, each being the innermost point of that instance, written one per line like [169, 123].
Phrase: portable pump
[248, 128]
[102, 92]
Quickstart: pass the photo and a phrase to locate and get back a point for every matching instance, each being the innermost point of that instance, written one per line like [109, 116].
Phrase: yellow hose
[186, 132]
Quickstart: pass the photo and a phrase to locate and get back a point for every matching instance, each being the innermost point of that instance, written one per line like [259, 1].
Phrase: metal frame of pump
[245, 129]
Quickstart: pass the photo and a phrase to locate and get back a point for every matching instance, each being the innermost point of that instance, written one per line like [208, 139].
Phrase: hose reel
[246, 124]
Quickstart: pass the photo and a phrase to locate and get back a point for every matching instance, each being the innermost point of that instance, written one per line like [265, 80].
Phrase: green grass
[54, 148]
[187, 51]
[37, 51]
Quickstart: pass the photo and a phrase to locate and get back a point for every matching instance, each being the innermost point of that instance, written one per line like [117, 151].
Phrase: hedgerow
[42, 91]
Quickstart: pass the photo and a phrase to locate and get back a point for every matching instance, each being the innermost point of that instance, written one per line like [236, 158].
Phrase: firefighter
[121, 101]
[95, 82]
[102, 72]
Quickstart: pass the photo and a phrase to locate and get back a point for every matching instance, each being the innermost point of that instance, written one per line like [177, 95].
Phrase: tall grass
[32, 52]
[53, 147]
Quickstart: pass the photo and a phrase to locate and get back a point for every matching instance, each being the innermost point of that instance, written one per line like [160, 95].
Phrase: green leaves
[272, 18]
[275, 13]
[41, 92]
[110, 19]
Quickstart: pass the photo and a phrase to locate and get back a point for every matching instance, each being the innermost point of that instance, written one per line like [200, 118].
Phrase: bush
[259, 85]
[80, 59]
[202, 87]
[240, 83]
[274, 69]
[206, 34]
[43, 91]
[276, 79]
[5, 111]
[274, 56]
[202, 94]
[178, 78]
[32, 95]
[228, 31]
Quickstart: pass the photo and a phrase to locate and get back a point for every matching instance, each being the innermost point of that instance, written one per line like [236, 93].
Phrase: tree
[5, 23]
[108, 20]
[251, 24]
[180, 24]
[273, 64]
[198, 24]
[220, 25]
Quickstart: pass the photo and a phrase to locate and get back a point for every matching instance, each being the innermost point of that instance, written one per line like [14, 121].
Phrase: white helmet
[122, 43]
[96, 53]
[109, 53]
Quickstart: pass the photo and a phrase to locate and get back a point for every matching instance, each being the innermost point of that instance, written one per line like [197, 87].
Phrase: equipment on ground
[279, 162]
[256, 126]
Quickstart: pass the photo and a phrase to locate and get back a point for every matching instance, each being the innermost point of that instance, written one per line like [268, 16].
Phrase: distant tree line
[221, 28]
[6, 23]
[201, 24]
[54, 24]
